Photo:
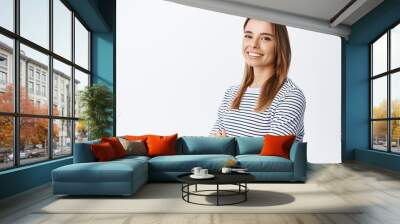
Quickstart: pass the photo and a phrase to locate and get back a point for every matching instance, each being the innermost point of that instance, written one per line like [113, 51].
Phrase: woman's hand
[221, 133]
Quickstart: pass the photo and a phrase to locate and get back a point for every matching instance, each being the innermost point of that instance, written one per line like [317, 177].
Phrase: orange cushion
[116, 145]
[135, 138]
[161, 145]
[103, 151]
[277, 145]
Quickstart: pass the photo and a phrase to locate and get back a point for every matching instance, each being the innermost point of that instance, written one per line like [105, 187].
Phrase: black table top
[220, 178]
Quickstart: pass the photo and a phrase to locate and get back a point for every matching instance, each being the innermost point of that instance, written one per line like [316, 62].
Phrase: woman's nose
[254, 44]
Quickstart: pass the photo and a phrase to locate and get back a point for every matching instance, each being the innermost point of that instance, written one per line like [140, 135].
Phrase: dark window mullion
[389, 106]
[371, 99]
[73, 82]
[16, 83]
[50, 87]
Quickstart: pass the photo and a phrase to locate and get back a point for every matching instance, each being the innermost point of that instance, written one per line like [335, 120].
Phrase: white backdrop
[175, 62]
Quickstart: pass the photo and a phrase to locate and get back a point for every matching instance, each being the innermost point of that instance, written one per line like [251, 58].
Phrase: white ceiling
[325, 16]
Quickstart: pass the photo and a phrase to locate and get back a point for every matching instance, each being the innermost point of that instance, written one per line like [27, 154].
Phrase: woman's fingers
[221, 133]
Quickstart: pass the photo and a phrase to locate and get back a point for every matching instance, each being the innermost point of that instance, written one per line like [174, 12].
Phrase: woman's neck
[261, 74]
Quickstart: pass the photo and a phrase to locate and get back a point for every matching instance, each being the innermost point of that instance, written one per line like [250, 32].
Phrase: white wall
[175, 62]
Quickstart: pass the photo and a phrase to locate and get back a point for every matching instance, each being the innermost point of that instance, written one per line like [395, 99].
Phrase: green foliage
[96, 102]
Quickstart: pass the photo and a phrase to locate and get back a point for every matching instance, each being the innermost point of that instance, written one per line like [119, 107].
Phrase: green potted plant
[96, 102]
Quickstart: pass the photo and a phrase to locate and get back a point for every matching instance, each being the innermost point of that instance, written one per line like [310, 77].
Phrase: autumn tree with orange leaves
[34, 131]
[379, 127]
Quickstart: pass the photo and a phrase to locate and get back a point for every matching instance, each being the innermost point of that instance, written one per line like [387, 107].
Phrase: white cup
[226, 170]
[196, 171]
[203, 172]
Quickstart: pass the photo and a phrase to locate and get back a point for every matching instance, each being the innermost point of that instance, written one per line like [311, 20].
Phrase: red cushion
[134, 137]
[103, 151]
[116, 145]
[277, 145]
[161, 145]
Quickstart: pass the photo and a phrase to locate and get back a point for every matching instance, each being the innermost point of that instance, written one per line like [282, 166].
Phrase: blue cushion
[83, 153]
[257, 163]
[249, 145]
[185, 163]
[195, 145]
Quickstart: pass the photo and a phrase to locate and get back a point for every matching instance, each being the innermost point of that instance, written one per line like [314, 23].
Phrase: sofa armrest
[298, 155]
[83, 152]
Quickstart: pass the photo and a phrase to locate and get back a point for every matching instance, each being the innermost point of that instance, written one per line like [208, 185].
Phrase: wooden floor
[378, 188]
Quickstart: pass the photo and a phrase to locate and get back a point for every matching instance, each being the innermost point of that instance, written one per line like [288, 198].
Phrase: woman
[267, 101]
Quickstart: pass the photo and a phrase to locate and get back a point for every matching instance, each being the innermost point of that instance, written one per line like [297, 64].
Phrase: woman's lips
[254, 54]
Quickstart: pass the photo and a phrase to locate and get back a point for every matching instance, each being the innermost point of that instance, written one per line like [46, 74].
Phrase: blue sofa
[125, 176]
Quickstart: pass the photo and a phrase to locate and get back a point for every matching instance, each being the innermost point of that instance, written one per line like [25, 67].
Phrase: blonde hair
[271, 87]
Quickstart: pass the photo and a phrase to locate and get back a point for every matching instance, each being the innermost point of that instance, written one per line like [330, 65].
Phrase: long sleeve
[289, 115]
[218, 125]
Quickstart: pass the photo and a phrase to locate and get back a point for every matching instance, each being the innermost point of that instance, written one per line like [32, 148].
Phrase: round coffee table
[238, 179]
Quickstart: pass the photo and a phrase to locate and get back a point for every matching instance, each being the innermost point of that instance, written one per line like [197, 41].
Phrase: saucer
[208, 176]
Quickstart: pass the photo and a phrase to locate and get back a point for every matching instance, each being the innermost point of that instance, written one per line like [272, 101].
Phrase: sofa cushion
[277, 145]
[83, 152]
[195, 145]
[161, 145]
[257, 163]
[134, 147]
[185, 163]
[116, 145]
[111, 171]
[103, 152]
[249, 145]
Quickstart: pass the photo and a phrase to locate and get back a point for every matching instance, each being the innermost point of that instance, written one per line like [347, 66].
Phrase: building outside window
[30, 72]
[30, 87]
[3, 78]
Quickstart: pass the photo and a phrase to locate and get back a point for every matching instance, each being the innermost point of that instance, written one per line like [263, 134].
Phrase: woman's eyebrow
[268, 34]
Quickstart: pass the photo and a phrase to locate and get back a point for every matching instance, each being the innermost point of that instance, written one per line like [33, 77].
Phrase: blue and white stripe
[285, 116]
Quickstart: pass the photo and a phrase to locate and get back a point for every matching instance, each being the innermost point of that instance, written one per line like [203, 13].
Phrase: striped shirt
[285, 116]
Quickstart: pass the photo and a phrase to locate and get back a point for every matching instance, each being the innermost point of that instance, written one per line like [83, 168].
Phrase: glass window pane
[6, 142]
[395, 94]
[62, 29]
[395, 47]
[7, 14]
[379, 94]
[379, 135]
[379, 55]
[395, 136]
[34, 97]
[35, 21]
[62, 138]
[81, 81]
[62, 89]
[81, 131]
[81, 45]
[33, 140]
[6, 74]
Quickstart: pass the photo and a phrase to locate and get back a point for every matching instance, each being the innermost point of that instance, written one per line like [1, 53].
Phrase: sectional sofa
[125, 176]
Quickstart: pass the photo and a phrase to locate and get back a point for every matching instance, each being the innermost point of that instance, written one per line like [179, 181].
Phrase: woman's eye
[266, 38]
[247, 36]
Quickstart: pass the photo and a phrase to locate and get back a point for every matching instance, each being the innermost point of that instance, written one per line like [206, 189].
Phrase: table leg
[217, 194]
[245, 193]
[188, 190]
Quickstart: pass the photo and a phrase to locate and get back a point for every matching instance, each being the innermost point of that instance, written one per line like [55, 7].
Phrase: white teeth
[254, 54]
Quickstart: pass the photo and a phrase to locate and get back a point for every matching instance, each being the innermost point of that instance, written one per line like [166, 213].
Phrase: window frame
[388, 74]
[15, 72]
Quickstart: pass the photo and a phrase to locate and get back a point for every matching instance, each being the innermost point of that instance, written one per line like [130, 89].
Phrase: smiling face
[258, 46]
